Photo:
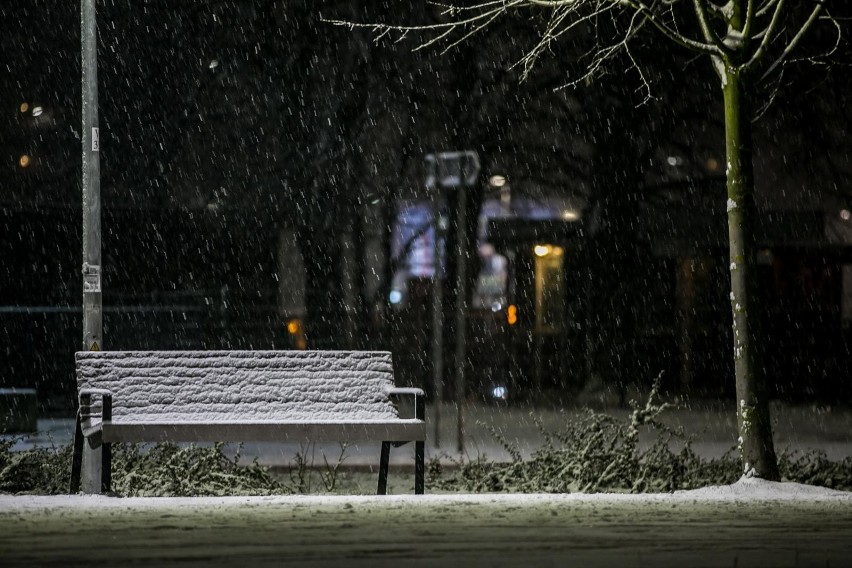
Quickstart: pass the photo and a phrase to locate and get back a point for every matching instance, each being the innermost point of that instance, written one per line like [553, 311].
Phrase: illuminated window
[549, 289]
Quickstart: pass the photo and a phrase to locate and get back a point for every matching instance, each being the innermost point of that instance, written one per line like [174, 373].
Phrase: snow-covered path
[750, 523]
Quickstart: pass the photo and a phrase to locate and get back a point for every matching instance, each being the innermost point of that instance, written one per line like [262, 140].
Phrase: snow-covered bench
[230, 396]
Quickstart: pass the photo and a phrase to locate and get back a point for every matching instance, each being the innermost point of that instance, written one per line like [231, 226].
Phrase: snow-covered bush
[640, 454]
[814, 468]
[172, 470]
[596, 453]
[162, 469]
[39, 470]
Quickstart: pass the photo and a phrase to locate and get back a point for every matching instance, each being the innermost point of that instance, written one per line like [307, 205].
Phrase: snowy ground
[750, 523]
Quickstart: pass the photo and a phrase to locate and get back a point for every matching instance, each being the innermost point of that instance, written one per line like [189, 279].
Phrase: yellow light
[293, 327]
[24, 107]
[542, 250]
[24, 161]
[512, 314]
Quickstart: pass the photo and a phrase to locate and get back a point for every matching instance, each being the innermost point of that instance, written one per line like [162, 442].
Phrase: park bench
[235, 396]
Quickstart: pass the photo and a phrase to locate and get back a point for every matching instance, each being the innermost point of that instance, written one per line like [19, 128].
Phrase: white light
[214, 64]
[497, 180]
[674, 161]
[542, 250]
[569, 215]
[845, 214]
[37, 111]
[496, 307]
[500, 392]
[395, 297]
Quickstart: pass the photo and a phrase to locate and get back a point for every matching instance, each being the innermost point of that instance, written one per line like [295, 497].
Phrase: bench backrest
[228, 386]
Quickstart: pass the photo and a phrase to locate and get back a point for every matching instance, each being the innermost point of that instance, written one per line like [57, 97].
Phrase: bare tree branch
[768, 34]
[709, 36]
[566, 16]
[796, 39]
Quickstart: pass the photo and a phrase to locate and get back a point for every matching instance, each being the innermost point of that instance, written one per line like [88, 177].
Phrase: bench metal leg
[106, 468]
[383, 469]
[106, 449]
[419, 468]
[76, 457]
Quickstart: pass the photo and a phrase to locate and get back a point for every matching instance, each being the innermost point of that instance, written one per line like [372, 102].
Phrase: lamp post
[92, 463]
[453, 172]
[92, 299]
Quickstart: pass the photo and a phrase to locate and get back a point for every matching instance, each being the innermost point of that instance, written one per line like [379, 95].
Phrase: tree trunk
[756, 447]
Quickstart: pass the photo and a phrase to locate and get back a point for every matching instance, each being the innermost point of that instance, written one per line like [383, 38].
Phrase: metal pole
[92, 301]
[461, 307]
[437, 315]
[455, 171]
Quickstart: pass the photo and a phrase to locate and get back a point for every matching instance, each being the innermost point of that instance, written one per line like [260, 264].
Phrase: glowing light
[24, 161]
[542, 250]
[712, 165]
[500, 392]
[497, 180]
[845, 214]
[512, 314]
[293, 327]
[395, 297]
[214, 64]
[37, 111]
[570, 215]
[24, 107]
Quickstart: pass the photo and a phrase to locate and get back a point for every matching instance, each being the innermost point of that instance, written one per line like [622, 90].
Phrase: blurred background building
[263, 188]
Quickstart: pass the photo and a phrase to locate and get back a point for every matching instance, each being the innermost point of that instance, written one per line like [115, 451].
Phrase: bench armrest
[88, 410]
[410, 392]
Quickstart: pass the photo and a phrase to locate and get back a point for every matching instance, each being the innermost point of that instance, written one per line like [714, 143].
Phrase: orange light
[24, 161]
[24, 107]
[512, 314]
[293, 327]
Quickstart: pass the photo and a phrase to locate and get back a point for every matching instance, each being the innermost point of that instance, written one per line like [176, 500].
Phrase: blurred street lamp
[452, 172]
[542, 250]
[24, 161]
[497, 181]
